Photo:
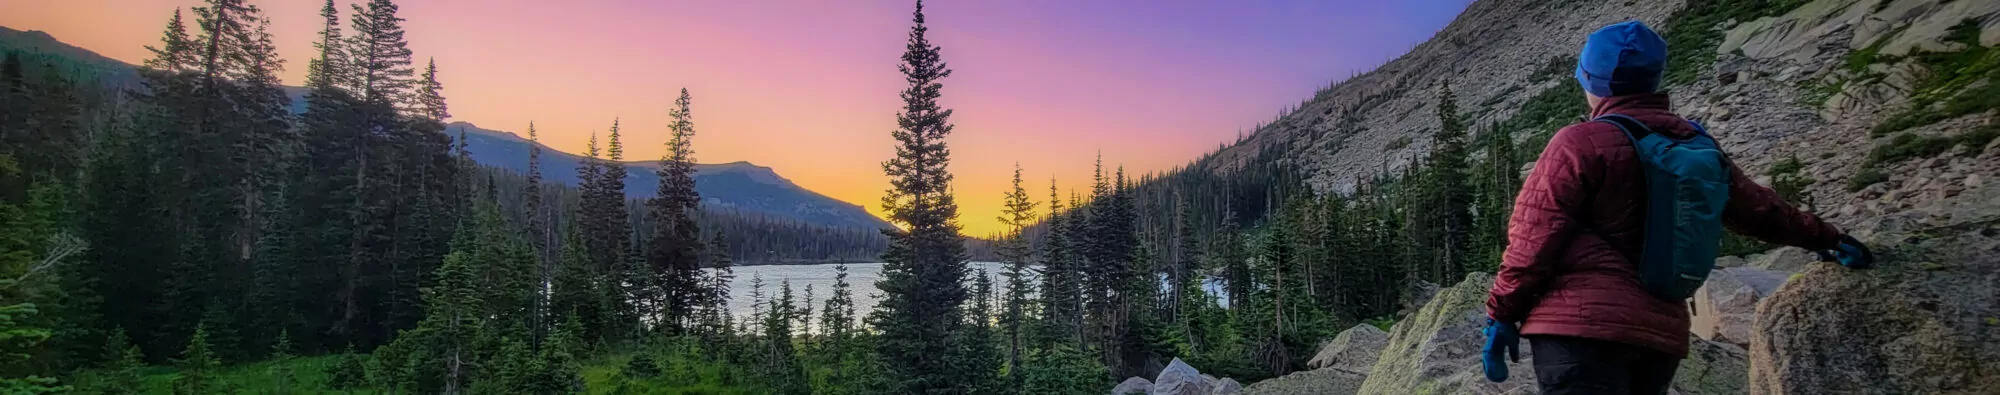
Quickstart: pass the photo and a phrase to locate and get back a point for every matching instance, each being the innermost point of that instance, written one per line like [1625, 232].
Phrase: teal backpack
[1687, 187]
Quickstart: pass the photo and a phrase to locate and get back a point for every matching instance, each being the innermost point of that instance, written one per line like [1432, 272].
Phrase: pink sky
[809, 88]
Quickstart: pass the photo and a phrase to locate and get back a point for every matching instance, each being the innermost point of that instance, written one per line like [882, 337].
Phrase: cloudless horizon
[810, 88]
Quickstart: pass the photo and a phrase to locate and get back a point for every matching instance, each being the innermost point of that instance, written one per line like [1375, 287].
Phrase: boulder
[1924, 321]
[1328, 381]
[1729, 261]
[1228, 386]
[1712, 368]
[1787, 259]
[1726, 305]
[1436, 349]
[1354, 349]
[1135, 385]
[1180, 379]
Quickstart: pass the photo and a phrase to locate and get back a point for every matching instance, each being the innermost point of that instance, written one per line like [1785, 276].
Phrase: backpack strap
[1632, 127]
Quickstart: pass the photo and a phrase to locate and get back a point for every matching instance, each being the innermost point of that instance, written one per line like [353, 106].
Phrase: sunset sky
[809, 88]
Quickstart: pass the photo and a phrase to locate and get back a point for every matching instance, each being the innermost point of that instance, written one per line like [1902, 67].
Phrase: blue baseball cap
[1626, 58]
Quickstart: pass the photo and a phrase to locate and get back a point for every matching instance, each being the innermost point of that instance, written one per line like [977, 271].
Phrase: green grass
[1953, 87]
[601, 376]
[309, 377]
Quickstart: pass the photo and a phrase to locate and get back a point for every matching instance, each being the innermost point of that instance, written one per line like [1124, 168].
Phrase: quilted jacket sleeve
[1546, 215]
[1758, 212]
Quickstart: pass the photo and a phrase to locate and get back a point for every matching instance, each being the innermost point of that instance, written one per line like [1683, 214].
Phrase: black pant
[1572, 365]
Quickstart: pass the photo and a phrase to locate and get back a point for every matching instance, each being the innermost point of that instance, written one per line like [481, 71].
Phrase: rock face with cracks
[1926, 320]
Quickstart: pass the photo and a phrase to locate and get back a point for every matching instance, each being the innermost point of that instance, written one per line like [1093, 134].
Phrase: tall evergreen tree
[924, 272]
[675, 245]
[1062, 302]
[1449, 194]
[539, 232]
[1016, 255]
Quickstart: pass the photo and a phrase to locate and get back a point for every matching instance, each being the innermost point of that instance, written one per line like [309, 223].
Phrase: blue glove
[1502, 340]
[1850, 253]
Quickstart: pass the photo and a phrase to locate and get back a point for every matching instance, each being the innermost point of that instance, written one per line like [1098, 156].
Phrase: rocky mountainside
[738, 185]
[1492, 57]
[1884, 114]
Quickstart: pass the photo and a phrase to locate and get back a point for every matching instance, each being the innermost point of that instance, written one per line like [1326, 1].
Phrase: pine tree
[430, 96]
[198, 367]
[1449, 194]
[606, 206]
[1229, 256]
[1016, 255]
[123, 360]
[20, 331]
[380, 56]
[1062, 312]
[325, 70]
[717, 286]
[1181, 273]
[560, 372]
[540, 238]
[282, 378]
[675, 244]
[578, 294]
[347, 372]
[977, 343]
[923, 278]
[836, 321]
[1495, 201]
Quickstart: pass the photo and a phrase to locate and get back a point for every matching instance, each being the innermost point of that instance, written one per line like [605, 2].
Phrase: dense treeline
[754, 238]
[228, 228]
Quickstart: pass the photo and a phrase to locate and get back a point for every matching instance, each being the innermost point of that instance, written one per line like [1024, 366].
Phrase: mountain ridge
[738, 185]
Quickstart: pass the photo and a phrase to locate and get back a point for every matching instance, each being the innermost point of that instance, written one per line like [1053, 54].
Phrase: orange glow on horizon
[806, 88]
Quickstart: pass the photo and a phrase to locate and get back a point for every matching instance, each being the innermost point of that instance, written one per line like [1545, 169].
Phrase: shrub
[1906, 146]
[347, 373]
[1867, 176]
[641, 366]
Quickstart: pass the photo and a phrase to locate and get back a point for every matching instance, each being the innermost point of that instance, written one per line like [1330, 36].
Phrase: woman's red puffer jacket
[1575, 233]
